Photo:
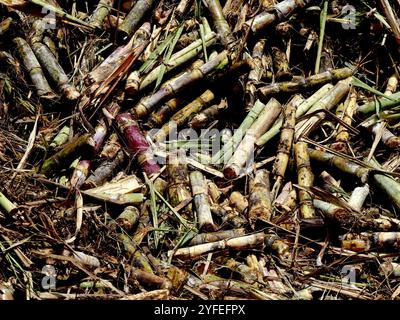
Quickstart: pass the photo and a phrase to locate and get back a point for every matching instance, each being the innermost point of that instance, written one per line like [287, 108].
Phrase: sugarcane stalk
[134, 17]
[246, 147]
[229, 216]
[128, 218]
[216, 236]
[34, 69]
[81, 146]
[231, 145]
[281, 65]
[327, 103]
[260, 207]
[178, 59]
[61, 137]
[301, 109]
[102, 10]
[206, 116]
[255, 74]
[111, 148]
[285, 143]
[305, 83]
[238, 243]
[183, 115]
[387, 184]
[331, 185]
[201, 201]
[275, 14]
[341, 163]
[381, 103]
[6, 204]
[387, 241]
[347, 111]
[166, 92]
[391, 85]
[223, 30]
[137, 143]
[178, 178]
[305, 179]
[103, 171]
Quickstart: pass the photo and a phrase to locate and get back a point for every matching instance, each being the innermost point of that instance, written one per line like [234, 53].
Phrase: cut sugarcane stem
[34, 69]
[216, 236]
[305, 179]
[80, 147]
[135, 16]
[137, 143]
[168, 91]
[303, 108]
[6, 204]
[245, 149]
[358, 197]
[101, 12]
[201, 201]
[281, 65]
[305, 83]
[260, 207]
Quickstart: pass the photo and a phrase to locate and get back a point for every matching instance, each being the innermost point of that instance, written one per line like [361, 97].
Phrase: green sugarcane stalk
[102, 10]
[301, 110]
[322, 23]
[305, 83]
[167, 91]
[132, 20]
[179, 58]
[232, 144]
[381, 103]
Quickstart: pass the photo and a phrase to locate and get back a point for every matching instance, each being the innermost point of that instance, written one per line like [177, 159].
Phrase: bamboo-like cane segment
[387, 241]
[56, 72]
[255, 74]
[305, 83]
[245, 149]
[81, 146]
[328, 102]
[381, 103]
[137, 143]
[278, 12]
[179, 58]
[206, 116]
[128, 218]
[134, 17]
[184, 114]
[166, 92]
[281, 65]
[102, 10]
[201, 201]
[103, 172]
[285, 143]
[238, 243]
[34, 69]
[216, 236]
[222, 27]
[341, 163]
[6, 204]
[347, 111]
[387, 137]
[358, 197]
[286, 200]
[230, 146]
[278, 246]
[390, 186]
[178, 178]
[301, 110]
[111, 148]
[260, 207]
[305, 179]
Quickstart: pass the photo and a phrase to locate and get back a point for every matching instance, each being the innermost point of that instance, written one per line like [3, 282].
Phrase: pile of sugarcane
[199, 149]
